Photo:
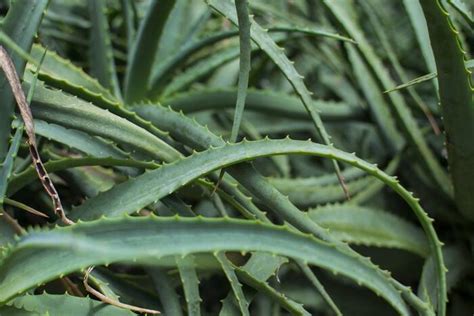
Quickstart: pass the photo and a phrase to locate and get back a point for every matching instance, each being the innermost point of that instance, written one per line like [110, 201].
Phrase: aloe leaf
[165, 69]
[101, 52]
[59, 69]
[78, 140]
[142, 53]
[189, 17]
[268, 102]
[317, 284]
[199, 70]
[457, 104]
[293, 307]
[7, 231]
[130, 16]
[50, 105]
[268, 45]
[190, 281]
[469, 65]
[6, 167]
[370, 227]
[20, 24]
[406, 120]
[306, 193]
[59, 108]
[389, 49]
[174, 236]
[417, 19]
[196, 136]
[379, 109]
[463, 10]
[244, 65]
[168, 297]
[229, 271]
[376, 186]
[457, 266]
[125, 288]
[99, 98]
[49, 304]
[413, 82]
[129, 197]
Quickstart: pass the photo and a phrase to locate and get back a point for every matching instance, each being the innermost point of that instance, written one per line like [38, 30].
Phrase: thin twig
[9, 69]
[111, 301]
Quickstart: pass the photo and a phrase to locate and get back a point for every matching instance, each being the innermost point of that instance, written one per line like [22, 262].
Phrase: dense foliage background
[187, 202]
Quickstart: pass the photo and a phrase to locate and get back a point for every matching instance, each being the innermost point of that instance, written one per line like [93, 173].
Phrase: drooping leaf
[370, 227]
[128, 239]
[20, 24]
[55, 305]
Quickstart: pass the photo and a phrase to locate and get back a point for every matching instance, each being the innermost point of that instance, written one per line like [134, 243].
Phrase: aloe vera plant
[244, 157]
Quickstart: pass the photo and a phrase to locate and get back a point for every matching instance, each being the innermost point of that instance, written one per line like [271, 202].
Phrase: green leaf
[168, 297]
[244, 65]
[304, 192]
[365, 226]
[405, 117]
[264, 101]
[268, 45]
[293, 307]
[418, 22]
[142, 53]
[413, 82]
[457, 265]
[101, 52]
[457, 104]
[59, 108]
[20, 24]
[128, 197]
[463, 10]
[190, 281]
[56, 69]
[318, 285]
[390, 50]
[165, 69]
[56, 305]
[192, 134]
[379, 109]
[32, 260]
[229, 271]
[6, 167]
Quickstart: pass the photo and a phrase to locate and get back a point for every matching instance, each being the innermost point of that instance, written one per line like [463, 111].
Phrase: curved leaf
[129, 196]
[268, 102]
[144, 240]
[268, 45]
[56, 305]
[366, 226]
[59, 108]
